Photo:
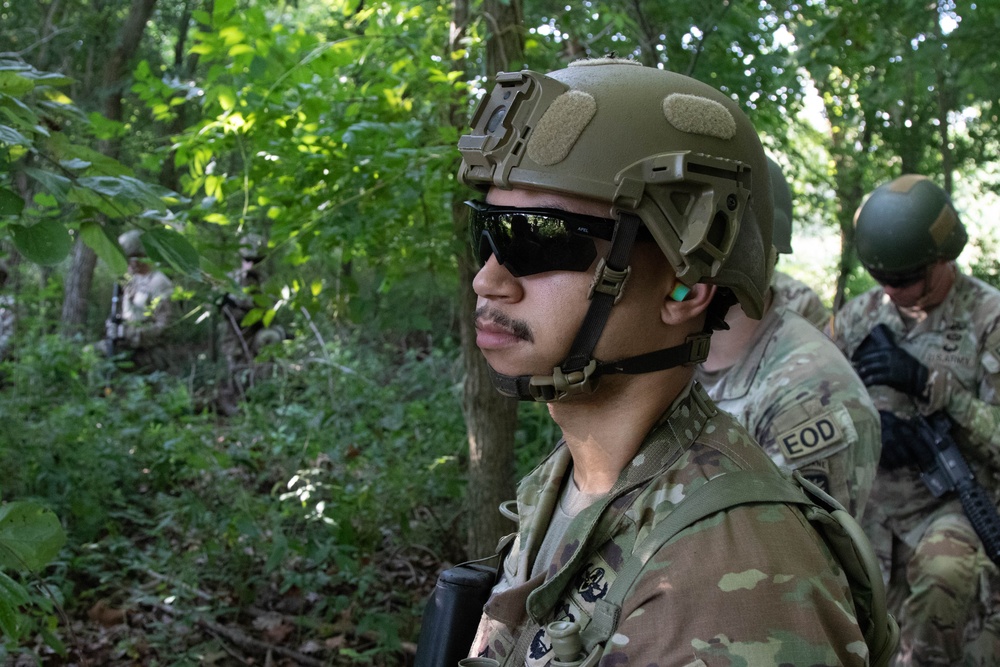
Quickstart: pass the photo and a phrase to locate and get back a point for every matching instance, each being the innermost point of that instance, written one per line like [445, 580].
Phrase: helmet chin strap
[579, 372]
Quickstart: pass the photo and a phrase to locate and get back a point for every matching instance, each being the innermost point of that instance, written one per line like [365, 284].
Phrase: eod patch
[810, 437]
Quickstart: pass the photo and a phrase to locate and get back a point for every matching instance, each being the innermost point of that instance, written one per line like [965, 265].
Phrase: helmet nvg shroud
[905, 225]
[663, 150]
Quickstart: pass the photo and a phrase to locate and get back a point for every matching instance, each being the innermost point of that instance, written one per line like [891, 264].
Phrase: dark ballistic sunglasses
[527, 241]
[899, 280]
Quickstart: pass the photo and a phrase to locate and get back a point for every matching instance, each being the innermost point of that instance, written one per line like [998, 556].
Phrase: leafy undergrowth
[307, 529]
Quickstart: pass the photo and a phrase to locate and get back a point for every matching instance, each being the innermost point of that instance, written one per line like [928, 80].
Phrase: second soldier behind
[795, 392]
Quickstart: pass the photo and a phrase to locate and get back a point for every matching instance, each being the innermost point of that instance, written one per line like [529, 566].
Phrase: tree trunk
[490, 419]
[505, 39]
[81, 272]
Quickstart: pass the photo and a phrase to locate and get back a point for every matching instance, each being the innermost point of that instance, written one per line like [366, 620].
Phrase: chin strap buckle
[559, 385]
[609, 281]
[699, 345]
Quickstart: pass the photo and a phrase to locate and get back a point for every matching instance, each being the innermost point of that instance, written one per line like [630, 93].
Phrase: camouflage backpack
[840, 531]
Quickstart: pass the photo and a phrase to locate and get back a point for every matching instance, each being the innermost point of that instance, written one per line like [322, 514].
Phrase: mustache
[517, 327]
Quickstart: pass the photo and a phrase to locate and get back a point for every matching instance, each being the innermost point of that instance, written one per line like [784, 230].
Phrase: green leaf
[95, 236]
[223, 8]
[167, 246]
[58, 186]
[252, 317]
[46, 243]
[74, 163]
[10, 202]
[9, 135]
[30, 536]
[74, 156]
[12, 596]
[123, 187]
[15, 84]
[279, 548]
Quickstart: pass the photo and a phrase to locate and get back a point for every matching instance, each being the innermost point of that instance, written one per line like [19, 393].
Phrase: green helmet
[782, 194]
[677, 153]
[906, 224]
[131, 243]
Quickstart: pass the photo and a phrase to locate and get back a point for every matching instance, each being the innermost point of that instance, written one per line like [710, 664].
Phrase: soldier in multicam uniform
[588, 171]
[146, 308]
[8, 318]
[795, 294]
[794, 391]
[240, 344]
[946, 327]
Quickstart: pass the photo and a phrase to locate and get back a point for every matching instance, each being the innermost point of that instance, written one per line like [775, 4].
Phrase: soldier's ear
[691, 304]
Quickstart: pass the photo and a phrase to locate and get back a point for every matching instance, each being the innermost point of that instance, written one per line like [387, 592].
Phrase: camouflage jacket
[802, 401]
[754, 584]
[801, 298]
[146, 308]
[959, 342]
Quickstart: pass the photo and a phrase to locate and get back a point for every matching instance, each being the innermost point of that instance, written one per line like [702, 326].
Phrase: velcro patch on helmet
[906, 182]
[944, 225]
[699, 115]
[560, 127]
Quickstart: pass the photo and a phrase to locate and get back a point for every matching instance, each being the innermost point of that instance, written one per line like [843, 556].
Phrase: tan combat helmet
[672, 151]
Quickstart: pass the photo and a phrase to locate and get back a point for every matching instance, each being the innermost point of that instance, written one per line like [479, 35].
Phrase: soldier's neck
[731, 345]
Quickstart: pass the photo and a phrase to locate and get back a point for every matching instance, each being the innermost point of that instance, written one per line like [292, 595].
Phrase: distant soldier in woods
[790, 386]
[926, 341]
[795, 294]
[146, 310]
[240, 344]
[7, 316]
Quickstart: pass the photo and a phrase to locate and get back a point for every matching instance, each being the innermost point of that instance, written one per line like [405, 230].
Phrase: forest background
[138, 525]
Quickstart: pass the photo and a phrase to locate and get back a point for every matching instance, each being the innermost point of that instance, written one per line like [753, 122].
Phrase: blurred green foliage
[344, 467]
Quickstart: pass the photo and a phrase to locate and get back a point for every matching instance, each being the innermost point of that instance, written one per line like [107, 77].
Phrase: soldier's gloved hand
[892, 367]
[110, 329]
[900, 437]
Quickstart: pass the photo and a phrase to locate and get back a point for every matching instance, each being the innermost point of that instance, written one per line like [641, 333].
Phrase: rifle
[949, 472]
[452, 614]
[942, 466]
[115, 318]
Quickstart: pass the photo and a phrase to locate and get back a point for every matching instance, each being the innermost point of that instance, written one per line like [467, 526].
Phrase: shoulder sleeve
[976, 410]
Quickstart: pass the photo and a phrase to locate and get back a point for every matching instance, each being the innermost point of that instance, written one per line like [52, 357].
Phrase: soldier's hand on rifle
[893, 367]
[900, 442]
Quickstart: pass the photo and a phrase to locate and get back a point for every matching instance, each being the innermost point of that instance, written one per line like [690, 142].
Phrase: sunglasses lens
[898, 280]
[527, 242]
